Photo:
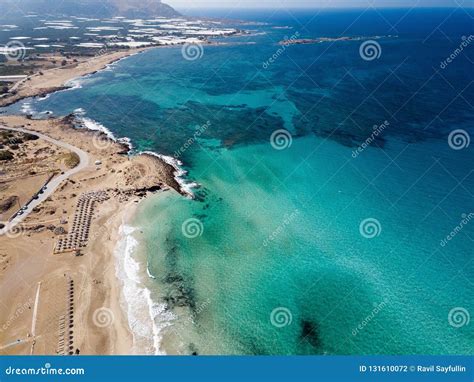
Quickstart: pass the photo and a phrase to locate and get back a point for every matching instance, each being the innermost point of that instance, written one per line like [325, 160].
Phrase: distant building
[11, 78]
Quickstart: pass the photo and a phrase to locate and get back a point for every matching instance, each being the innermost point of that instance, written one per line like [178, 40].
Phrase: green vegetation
[8, 203]
[29, 137]
[3, 88]
[11, 138]
[6, 155]
[71, 160]
[13, 70]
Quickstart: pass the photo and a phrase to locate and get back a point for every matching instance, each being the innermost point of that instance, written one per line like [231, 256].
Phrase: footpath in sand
[68, 301]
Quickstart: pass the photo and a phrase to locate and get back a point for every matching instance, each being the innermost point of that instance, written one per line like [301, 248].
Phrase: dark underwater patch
[310, 333]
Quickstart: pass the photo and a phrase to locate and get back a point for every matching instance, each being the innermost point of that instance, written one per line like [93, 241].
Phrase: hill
[89, 8]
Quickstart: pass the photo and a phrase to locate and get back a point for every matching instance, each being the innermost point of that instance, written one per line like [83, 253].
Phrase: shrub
[30, 137]
[71, 160]
[6, 155]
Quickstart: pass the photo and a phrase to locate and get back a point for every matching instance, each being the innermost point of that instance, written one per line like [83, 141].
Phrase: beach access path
[53, 184]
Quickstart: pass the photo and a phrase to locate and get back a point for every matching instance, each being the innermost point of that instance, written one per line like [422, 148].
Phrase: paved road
[55, 182]
[33, 320]
[14, 343]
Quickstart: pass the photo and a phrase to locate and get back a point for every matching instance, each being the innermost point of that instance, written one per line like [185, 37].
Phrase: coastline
[100, 324]
[102, 309]
[146, 318]
[43, 83]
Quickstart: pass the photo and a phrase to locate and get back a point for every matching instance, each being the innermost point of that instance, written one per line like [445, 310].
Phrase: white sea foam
[186, 186]
[78, 82]
[179, 174]
[45, 97]
[80, 112]
[147, 319]
[90, 124]
[75, 83]
[27, 108]
[149, 273]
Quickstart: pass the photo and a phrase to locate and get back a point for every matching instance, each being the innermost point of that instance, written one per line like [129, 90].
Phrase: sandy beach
[53, 77]
[65, 299]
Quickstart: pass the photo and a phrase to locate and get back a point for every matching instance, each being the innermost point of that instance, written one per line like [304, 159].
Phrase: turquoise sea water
[271, 256]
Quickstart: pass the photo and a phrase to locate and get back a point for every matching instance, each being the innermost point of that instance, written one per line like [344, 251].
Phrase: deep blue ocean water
[281, 262]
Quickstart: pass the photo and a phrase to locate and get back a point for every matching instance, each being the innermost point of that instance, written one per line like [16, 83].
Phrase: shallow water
[271, 257]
